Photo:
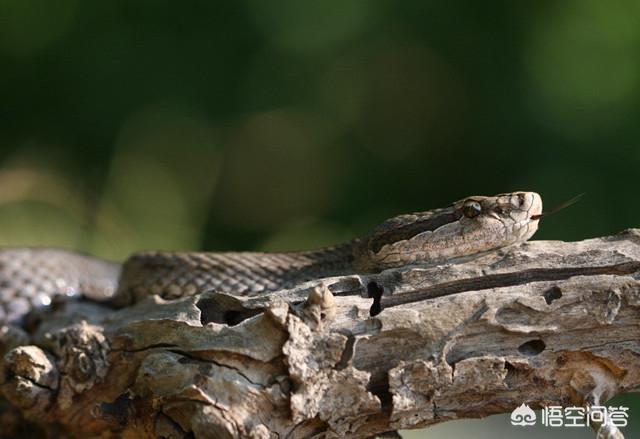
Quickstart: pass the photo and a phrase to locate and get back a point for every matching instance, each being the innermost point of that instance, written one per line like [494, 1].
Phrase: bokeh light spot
[303, 26]
[35, 223]
[305, 235]
[161, 179]
[278, 166]
[27, 26]
[412, 100]
[582, 64]
[40, 207]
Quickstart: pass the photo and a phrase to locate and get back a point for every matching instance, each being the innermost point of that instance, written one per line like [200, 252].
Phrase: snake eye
[471, 209]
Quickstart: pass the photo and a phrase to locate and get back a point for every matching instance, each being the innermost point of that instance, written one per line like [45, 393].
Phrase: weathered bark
[544, 322]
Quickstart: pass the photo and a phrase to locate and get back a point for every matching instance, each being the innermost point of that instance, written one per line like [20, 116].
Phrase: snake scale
[33, 277]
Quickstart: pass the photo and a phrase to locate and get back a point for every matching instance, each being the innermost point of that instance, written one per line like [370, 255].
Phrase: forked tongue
[558, 208]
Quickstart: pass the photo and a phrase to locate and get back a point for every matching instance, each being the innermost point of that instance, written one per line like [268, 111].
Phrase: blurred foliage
[282, 125]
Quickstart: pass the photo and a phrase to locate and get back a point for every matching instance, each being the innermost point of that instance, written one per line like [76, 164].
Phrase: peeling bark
[544, 323]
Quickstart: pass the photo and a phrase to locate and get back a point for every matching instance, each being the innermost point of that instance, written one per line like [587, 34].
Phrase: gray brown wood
[542, 322]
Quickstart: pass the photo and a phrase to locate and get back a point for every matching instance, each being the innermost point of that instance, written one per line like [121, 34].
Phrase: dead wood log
[544, 323]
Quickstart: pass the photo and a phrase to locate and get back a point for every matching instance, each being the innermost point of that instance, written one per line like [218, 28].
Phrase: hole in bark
[552, 294]
[509, 367]
[375, 291]
[511, 377]
[116, 412]
[346, 285]
[381, 391]
[347, 352]
[532, 347]
[232, 317]
[211, 311]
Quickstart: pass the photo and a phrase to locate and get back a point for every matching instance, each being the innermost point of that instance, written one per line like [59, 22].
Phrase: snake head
[500, 220]
[470, 226]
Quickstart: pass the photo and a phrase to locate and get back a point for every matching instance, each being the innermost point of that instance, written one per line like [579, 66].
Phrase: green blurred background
[279, 125]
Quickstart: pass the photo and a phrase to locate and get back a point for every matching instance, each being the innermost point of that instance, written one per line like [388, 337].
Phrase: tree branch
[544, 323]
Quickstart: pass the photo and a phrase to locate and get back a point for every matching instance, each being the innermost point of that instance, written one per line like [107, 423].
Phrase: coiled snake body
[31, 277]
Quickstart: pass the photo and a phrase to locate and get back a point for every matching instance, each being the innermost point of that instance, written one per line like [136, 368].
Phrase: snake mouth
[532, 207]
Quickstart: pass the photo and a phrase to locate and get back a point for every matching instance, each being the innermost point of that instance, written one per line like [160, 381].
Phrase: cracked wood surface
[544, 322]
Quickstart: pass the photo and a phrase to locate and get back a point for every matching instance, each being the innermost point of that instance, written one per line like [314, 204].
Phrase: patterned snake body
[34, 277]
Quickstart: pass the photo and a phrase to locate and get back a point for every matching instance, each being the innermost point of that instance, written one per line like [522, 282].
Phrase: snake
[32, 278]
